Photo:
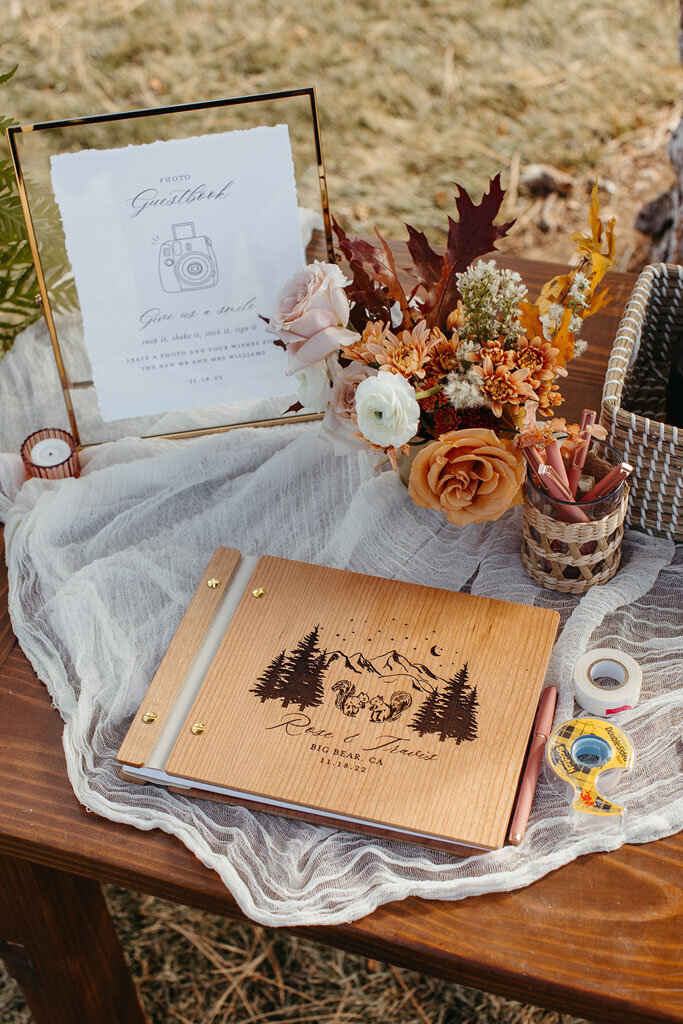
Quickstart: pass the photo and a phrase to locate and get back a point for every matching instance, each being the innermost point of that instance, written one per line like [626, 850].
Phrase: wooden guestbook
[349, 700]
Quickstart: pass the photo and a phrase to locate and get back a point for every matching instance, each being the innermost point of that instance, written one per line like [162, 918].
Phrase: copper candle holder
[51, 454]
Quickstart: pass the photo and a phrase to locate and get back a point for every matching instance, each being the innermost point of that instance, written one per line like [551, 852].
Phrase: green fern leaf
[18, 281]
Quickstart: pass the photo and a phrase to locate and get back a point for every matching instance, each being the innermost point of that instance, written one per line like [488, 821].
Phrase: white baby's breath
[512, 288]
[491, 299]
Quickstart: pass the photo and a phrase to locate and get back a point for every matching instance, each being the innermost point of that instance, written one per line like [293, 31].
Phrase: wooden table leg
[58, 941]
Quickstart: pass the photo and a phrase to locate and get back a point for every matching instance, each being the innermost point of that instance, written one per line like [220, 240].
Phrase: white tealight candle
[51, 451]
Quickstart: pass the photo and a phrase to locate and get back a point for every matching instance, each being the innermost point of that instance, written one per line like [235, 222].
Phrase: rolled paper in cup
[606, 681]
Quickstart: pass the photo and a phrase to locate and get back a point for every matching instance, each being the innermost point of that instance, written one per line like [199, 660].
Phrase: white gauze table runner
[102, 568]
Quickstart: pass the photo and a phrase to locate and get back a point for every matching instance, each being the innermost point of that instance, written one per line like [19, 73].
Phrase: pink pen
[554, 457]
[535, 455]
[550, 475]
[568, 510]
[539, 737]
[533, 458]
[608, 482]
[588, 417]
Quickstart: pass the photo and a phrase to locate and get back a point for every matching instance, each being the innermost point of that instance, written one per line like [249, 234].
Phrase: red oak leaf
[472, 236]
[368, 302]
[428, 265]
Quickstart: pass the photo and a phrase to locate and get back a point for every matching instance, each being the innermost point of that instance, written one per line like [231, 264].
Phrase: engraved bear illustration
[380, 711]
[347, 699]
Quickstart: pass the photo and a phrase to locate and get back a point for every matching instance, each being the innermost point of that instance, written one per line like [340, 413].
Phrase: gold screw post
[149, 717]
[259, 592]
[213, 583]
[198, 728]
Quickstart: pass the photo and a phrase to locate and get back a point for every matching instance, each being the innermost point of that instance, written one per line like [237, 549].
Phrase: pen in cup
[588, 417]
[556, 490]
[608, 482]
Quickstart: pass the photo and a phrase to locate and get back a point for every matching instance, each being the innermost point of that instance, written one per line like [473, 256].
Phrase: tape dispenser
[585, 753]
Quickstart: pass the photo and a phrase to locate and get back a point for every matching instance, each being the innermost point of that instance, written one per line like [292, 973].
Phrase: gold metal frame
[43, 298]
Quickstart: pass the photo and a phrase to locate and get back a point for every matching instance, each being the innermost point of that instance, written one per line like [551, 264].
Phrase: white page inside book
[163, 778]
[177, 248]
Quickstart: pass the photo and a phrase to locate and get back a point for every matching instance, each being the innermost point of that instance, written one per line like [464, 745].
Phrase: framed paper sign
[178, 247]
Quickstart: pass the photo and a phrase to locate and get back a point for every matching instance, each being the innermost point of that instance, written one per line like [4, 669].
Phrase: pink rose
[311, 315]
[340, 425]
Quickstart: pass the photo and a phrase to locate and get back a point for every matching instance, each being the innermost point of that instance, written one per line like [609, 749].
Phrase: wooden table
[599, 938]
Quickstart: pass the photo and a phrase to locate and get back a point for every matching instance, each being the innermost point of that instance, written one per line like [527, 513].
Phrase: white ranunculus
[314, 386]
[387, 410]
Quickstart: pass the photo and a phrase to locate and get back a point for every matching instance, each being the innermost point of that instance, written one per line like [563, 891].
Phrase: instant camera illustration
[187, 261]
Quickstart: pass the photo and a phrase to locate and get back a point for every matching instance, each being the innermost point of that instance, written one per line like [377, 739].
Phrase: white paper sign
[176, 248]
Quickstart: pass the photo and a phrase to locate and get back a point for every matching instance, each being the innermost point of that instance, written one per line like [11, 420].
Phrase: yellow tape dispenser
[584, 751]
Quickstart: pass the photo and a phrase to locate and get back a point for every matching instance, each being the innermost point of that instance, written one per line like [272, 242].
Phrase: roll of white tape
[607, 681]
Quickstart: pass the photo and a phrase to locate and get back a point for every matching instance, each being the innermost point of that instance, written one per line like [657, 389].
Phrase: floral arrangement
[449, 371]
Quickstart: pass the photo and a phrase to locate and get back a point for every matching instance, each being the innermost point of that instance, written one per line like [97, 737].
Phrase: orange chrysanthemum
[548, 396]
[498, 355]
[540, 357]
[375, 333]
[406, 354]
[443, 357]
[503, 386]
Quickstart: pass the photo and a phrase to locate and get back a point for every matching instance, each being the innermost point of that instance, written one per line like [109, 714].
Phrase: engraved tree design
[425, 720]
[301, 679]
[268, 684]
[471, 706]
[452, 712]
[451, 719]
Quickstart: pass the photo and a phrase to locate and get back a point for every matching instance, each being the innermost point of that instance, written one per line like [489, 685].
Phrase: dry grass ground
[413, 97]
[194, 968]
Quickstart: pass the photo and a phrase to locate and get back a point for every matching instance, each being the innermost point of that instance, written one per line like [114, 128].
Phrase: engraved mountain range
[298, 678]
[389, 666]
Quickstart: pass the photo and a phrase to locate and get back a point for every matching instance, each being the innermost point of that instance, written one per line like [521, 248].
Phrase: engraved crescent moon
[435, 652]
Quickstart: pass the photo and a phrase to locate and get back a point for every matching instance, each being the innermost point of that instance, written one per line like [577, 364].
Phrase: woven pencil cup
[634, 401]
[571, 557]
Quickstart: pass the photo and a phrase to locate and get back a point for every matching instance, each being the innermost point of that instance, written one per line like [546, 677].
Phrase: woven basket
[634, 401]
[571, 557]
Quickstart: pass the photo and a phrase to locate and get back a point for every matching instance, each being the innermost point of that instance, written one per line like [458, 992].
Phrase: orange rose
[470, 475]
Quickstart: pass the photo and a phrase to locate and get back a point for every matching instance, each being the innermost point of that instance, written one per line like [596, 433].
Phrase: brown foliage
[376, 287]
